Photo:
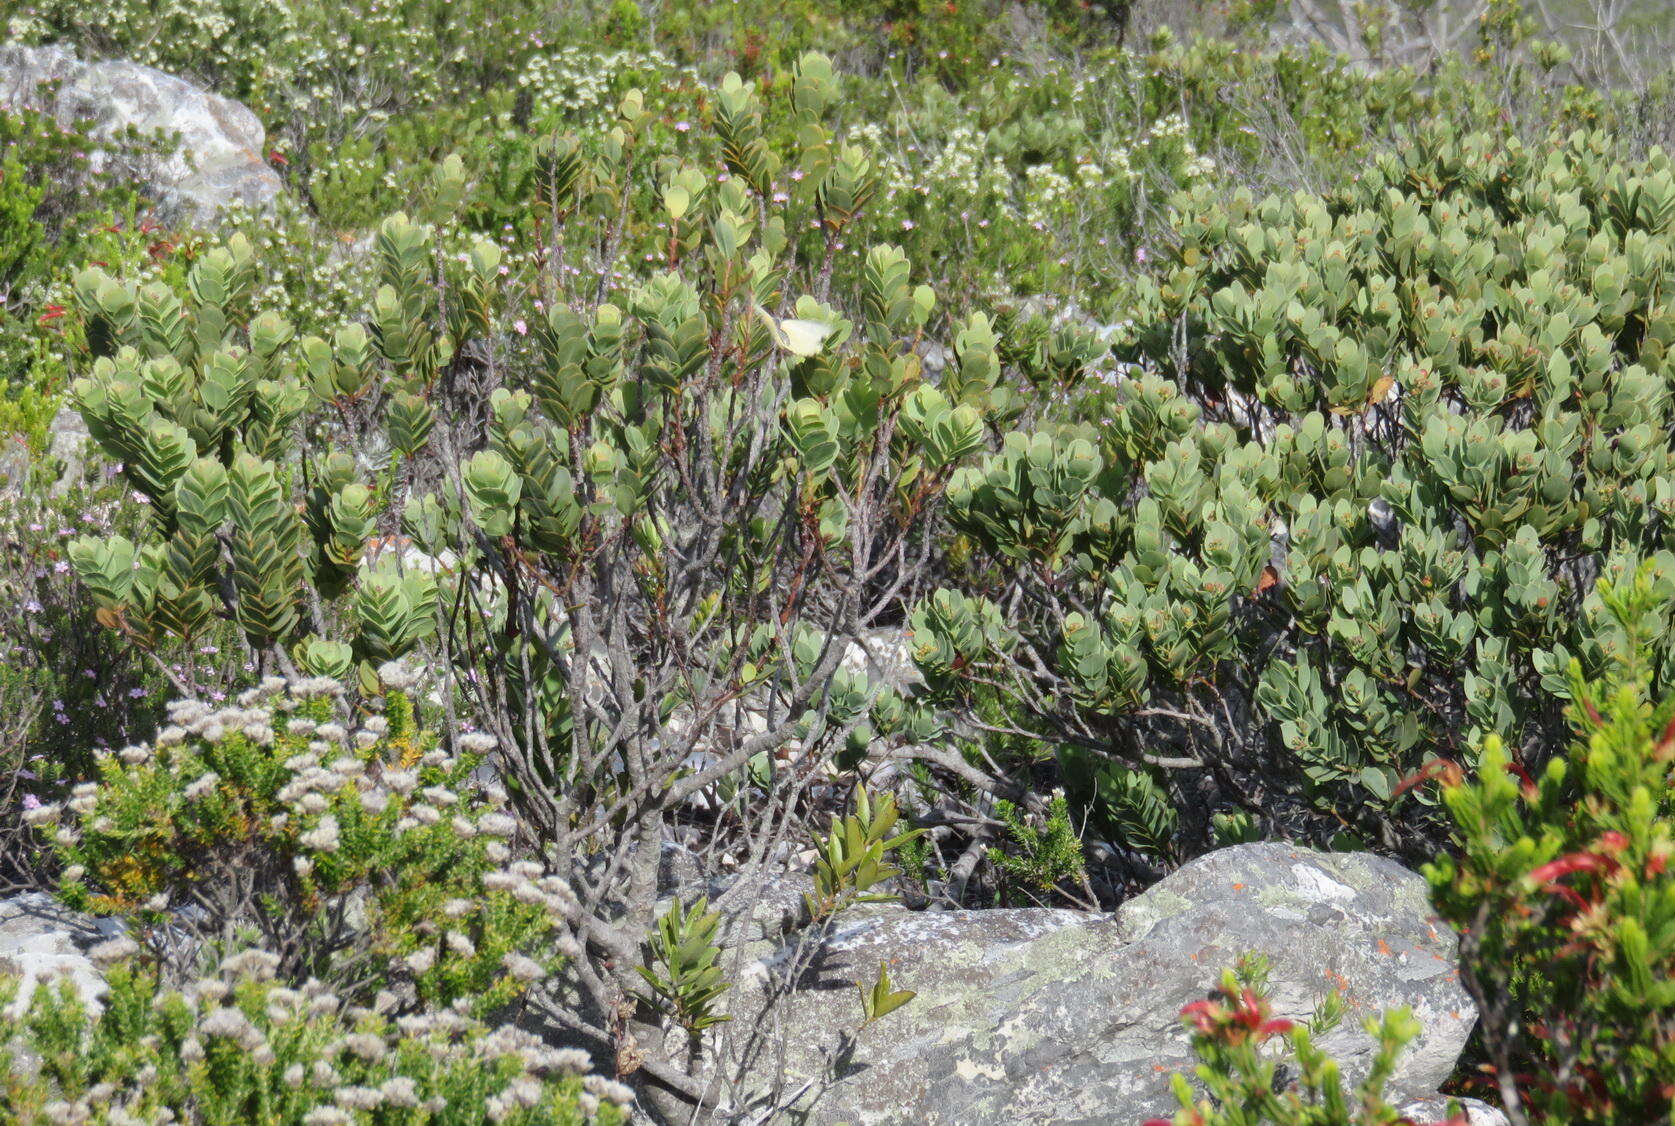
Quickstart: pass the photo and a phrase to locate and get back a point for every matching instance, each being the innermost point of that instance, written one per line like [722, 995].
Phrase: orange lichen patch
[1383, 947]
[1238, 887]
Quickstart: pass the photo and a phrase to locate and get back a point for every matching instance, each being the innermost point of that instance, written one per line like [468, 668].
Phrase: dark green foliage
[1040, 857]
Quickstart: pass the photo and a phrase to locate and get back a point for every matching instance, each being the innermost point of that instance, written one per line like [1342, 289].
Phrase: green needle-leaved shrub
[1563, 889]
[1260, 1070]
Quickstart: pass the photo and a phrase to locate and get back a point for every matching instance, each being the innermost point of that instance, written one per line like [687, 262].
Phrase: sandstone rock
[67, 439]
[41, 940]
[1427, 1112]
[16, 465]
[220, 159]
[1049, 1016]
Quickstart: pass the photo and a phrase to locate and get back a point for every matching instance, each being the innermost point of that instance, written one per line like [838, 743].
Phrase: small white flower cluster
[1046, 194]
[1172, 126]
[113, 950]
[323, 837]
[27, 28]
[1192, 164]
[202, 786]
[1197, 166]
[398, 677]
[581, 81]
[1116, 166]
[963, 167]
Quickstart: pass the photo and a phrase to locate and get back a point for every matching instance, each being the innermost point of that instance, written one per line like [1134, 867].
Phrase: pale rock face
[1428, 1112]
[42, 941]
[67, 439]
[220, 159]
[1052, 1016]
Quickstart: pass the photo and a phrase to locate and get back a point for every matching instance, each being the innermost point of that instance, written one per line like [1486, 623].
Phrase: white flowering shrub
[239, 1046]
[361, 854]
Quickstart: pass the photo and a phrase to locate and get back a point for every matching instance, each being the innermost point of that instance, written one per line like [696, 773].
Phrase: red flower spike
[1446, 769]
[1612, 841]
[1666, 742]
[1566, 865]
[1205, 1015]
[1569, 895]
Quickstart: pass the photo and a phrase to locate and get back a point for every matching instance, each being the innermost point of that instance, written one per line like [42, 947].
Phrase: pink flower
[520, 327]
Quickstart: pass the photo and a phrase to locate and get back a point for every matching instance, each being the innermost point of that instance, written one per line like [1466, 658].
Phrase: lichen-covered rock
[42, 941]
[219, 159]
[1045, 1016]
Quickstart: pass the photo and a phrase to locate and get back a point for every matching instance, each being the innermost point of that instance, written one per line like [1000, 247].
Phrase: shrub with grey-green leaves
[238, 438]
[1340, 506]
[649, 511]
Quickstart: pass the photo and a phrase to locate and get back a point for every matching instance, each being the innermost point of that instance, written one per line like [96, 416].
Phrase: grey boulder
[42, 942]
[1049, 1016]
[220, 157]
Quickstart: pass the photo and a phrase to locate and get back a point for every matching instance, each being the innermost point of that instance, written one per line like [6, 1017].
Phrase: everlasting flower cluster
[277, 783]
[240, 1038]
